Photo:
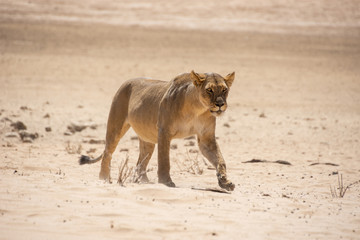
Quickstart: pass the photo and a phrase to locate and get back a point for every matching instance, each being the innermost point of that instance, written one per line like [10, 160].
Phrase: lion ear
[196, 78]
[230, 78]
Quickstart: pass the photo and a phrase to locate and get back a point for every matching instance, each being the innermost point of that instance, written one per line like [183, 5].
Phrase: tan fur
[160, 111]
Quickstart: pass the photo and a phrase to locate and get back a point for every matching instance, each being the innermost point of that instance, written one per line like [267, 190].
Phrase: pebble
[27, 137]
[18, 125]
[76, 127]
[11, 135]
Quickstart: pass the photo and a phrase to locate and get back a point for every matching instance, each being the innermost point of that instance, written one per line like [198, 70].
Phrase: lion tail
[87, 160]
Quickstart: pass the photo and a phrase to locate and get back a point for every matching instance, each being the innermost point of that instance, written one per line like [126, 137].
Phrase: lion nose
[219, 102]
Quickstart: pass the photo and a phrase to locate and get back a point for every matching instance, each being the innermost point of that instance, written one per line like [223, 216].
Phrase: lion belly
[144, 107]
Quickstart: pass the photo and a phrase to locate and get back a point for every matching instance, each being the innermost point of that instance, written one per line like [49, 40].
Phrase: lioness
[160, 111]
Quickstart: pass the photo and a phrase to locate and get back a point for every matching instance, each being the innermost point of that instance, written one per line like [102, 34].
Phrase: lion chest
[186, 127]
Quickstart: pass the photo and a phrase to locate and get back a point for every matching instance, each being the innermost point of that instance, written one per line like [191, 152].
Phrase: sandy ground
[296, 98]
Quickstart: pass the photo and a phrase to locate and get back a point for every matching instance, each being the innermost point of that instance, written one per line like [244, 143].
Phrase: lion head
[213, 89]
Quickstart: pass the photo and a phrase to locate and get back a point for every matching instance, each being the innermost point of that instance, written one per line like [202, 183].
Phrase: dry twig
[73, 149]
[124, 171]
[137, 174]
[131, 173]
[190, 165]
[340, 191]
[194, 167]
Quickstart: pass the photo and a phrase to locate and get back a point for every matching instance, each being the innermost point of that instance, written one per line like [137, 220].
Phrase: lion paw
[143, 179]
[167, 182]
[170, 184]
[105, 176]
[229, 186]
[225, 183]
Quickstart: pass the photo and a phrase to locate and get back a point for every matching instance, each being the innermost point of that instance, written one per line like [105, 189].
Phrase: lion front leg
[164, 159]
[210, 149]
[223, 181]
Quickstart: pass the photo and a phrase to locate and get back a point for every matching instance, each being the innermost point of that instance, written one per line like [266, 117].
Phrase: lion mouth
[216, 113]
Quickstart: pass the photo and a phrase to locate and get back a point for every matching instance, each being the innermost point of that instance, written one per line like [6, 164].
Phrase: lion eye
[209, 90]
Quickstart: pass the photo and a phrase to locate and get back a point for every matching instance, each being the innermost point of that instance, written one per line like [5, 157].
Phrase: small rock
[262, 115]
[24, 108]
[124, 150]
[5, 119]
[68, 133]
[93, 141]
[134, 138]
[28, 137]
[18, 125]
[8, 145]
[11, 135]
[76, 127]
[309, 119]
[46, 116]
[226, 125]
[189, 138]
[48, 129]
[27, 140]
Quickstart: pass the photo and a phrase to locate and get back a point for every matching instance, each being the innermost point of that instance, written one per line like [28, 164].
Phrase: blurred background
[311, 17]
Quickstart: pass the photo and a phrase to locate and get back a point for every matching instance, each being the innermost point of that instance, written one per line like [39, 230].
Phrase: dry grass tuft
[124, 171]
[341, 188]
[190, 165]
[131, 173]
[73, 149]
[340, 191]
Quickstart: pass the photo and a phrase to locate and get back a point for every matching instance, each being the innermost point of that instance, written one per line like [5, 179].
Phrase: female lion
[160, 111]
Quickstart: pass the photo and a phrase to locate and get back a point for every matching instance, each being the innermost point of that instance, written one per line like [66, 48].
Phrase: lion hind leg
[146, 151]
[113, 137]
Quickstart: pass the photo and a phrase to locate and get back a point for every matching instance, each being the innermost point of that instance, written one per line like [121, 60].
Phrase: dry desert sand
[296, 98]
